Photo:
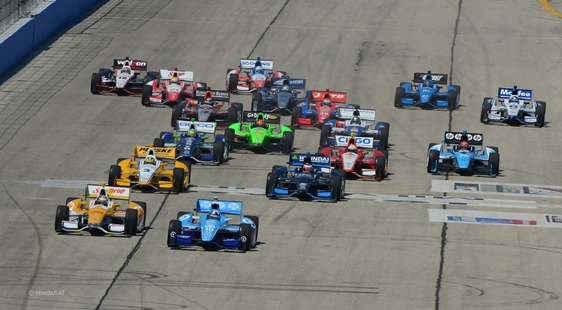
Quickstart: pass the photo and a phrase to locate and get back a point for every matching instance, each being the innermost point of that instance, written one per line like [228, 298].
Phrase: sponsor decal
[458, 136]
[490, 220]
[265, 116]
[243, 239]
[554, 218]
[332, 96]
[97, 212]
[466, 187]
[434, 77]
[506, 92]
[157, 150]
[111, 190]
[245, 63]
[358, 140]
[132, 63]
[313, 159]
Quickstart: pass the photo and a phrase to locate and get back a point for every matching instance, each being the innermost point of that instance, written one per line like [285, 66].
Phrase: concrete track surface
[375, 251]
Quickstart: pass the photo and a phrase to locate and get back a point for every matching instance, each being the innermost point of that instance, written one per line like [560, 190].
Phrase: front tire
[176, 114]
[380, 165]
[452, 100]
[287, 142]
[245, 237]
[494, 164]
[486, 108]
[398, 95]
[336, 183]
[257, 99]
[179, 180]
[297, 113]
[540, 112]
[433, 161]
[233, 83]
[272, 180]
[96, 80]
[174, 229]
[131, 222]
[383, 136]
[62, 215]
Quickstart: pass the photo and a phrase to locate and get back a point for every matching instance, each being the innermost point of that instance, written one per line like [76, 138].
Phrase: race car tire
[179, 180]
[403, 83]
[385, 153]
[180, 214]
[188, 164]
[146, 93]
[131, 221]
[120, 160]
[486, 108]
[344, 177]
[229, 137]
[174, 228]
[433, 161]
[232, 115]
[272, 180]
[142, 204]
[540, 112]
[114, 174]
[495, 148]
[257, 99]
[176, 114]
[96, 79]
[452, 100]
[256, 221]
[245, 237]
[233, 83]
[105, 72]
[158, 142]
[69, 199]
[287, 142]
[398, 95]
[62, 215]
[383, 138]
[325, 133]
[458, 88]
[275, 167]
[336, 183]
[218, 151]
[297, 113]
[495, 164]
[430, 145]
[150, 76]
[380, 163]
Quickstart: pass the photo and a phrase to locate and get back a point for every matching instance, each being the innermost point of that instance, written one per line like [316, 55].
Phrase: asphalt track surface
[362, 253]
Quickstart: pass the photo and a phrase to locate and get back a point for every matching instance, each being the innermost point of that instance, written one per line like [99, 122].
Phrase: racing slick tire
[233, 83]
[232, 115]
[146, 93]
[142, 204]
[380, 165]
[131, 220]
[325, 133]
[486, 108]
[229, 138]
[69, 199]
[121, 159]
[297, 113]
[238, 105]
[220, 152]
[114, 174]
[96, 79]
[62, 215]
[158, 142]
[494, 164]
[344, 177]
[383, 136]
[287, 142]
[173, 229]
[458, 88]
[176, 114]
[495, 148]
[452, 100]
[540, 112]
[256, 221]
[180, 214]
[430, 145]
[179, 180]
[433, 161]
[398, 95]
[188, 165]
[257, 99]
[275, 167]
[245, 237]
[336, 185]
[272, 180]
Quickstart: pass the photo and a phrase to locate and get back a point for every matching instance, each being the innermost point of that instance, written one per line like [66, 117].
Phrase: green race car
[259, 136]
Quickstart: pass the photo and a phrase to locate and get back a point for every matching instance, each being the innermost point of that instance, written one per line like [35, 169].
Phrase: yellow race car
[100, 213]
[147, 170]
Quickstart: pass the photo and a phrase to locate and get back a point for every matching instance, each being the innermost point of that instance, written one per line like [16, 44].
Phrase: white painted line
[495, 218]
[528, 190]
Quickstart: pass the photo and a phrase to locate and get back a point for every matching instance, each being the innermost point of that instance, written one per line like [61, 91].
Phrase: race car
[100, 212]
[123, 79]
[208, 106]
[211, 227]
[150, 173]
[353, 158]
[320, 107]
[260, 136]
[352, 121]
[463, 157]
[514, 107]
[427, 94]
[190, 140]
[169, 88]
[311, 179]
[282, 96]
[240, 80]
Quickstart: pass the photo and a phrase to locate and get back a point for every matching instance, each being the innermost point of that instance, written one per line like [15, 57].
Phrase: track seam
[266, 29]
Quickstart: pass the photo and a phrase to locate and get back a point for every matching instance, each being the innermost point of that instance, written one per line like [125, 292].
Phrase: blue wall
[36, 30]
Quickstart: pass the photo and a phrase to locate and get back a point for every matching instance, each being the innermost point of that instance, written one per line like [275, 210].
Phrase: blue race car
[190, 139]
[462, 157]
[281, 96]
[349, 122]
[210, 227]
[514, 107]
[426, 93]
[312, 179]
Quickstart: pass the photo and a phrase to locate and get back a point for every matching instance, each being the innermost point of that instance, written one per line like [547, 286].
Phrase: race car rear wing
[318, 161]
[294, 83]
[437, 78]
[368, 115]
[318, 95]
[271, 118]
[225, 207]
[218, 95]
[362, 142]
[137, 65]
[204, 127]
[112, 192]
[186, 76]
[505, 93]
[251, 63]
[457, 137]
[159, 152]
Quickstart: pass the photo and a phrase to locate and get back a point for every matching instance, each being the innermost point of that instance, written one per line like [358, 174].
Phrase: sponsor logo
[253, 63]
[132, 63]
[115, 191]
[243, 239]
[157, 150]
[520, 93]
[313, 159]
[458, 136]
[97, 212]
[358, 140]
[265, 116]
[435, 78]
[554, 219]
[332, 96]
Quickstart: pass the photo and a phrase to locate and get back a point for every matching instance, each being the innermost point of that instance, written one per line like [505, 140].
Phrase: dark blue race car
[427, 94]
[462, 156]
[190, 139]
[281, 96]
[211, 228]
[311, 179]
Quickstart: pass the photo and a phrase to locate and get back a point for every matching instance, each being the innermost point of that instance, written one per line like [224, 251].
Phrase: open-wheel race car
[123, 79]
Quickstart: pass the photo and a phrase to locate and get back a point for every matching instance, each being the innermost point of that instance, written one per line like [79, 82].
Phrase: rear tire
[179, 180]
[173, 229]
[272, 180]
[177, 112]
[380, 165]
[398, 95]
[383, 136]
[257, 99]
[232, 115]
[146, 93]
[494, 164]
[229, 137]
[325, 133]
[218, 150]
[287, 142]
[297, 113]
[114, 174]
[336, 183]
[131, 221]
[452, 100]
[158, 142]
[433, 161]
[96, 79]
[62, 215]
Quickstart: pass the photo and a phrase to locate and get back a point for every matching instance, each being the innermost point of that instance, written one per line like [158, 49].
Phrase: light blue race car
[427, 93]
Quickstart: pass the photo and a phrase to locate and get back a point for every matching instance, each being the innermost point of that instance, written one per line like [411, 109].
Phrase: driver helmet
[215, 215]
[175, 80]
[126, 70]
[102, 199]
[428, 82]
[356, 120]
[464, 145]
[258, 69]
[514, 98]
[286, 88]
[260, 123]
[352, 148]
[191, 133]
[327, 102]
[307, 168]
[149, 160]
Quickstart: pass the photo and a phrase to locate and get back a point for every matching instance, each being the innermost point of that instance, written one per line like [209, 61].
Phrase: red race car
[319, 107]
[247, 81]
[170, 88]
